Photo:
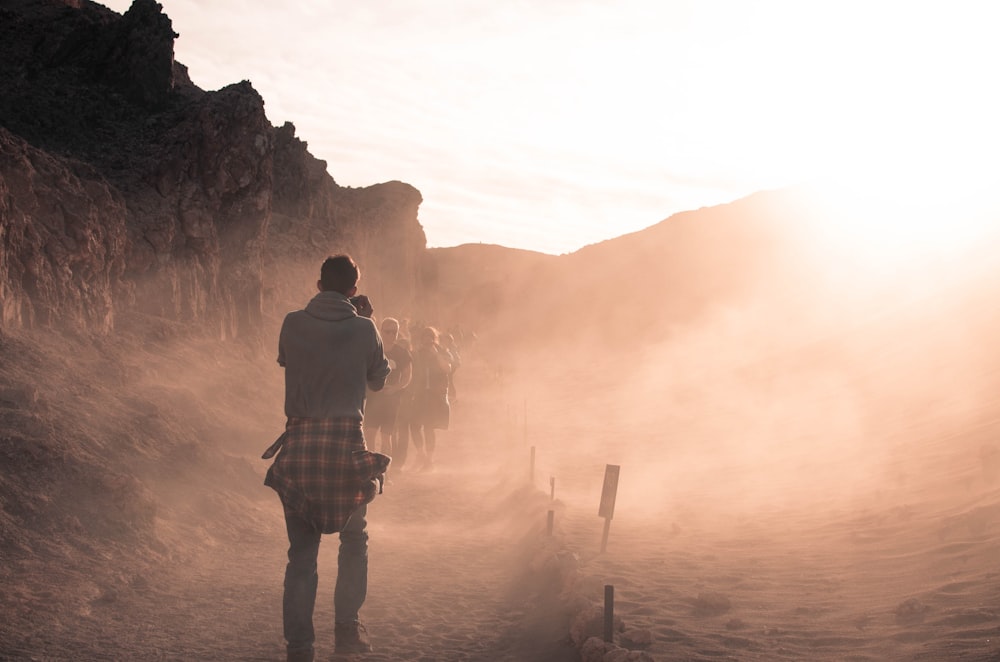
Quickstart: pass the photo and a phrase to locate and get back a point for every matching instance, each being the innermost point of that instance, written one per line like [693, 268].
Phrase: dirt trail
[902, 569]
[446, 551]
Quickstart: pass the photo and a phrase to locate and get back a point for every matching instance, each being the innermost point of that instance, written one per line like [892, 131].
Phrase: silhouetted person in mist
[450, 346]
[331, 352]
[382, 408]
[404, 413]
[430, 409]
[404, 333]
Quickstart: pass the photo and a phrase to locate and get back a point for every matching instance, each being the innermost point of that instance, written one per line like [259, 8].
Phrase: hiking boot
[351, 638]
[300, 655]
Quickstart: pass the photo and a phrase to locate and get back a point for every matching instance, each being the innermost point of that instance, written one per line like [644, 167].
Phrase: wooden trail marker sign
[608, 495]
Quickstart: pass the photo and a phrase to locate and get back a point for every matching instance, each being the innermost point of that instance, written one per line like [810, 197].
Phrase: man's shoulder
[367, 323]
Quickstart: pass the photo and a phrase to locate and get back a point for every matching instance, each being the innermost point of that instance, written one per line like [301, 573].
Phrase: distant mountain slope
[778, 258]
[630, 288]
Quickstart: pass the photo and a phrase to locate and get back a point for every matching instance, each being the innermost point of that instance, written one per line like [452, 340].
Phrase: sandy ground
[449, 578]
[889, 553]
[463, 568]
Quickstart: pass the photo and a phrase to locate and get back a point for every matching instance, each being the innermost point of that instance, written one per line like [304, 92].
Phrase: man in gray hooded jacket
[331, 352]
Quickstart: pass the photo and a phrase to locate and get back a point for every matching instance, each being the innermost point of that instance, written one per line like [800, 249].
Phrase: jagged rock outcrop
[140, 54]
[311, 214]
[198, 213]
[197, 207]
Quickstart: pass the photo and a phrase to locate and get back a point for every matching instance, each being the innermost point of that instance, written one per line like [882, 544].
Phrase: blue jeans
[301, 576]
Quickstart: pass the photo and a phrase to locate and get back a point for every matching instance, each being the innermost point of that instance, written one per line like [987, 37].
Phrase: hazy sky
[552, 124]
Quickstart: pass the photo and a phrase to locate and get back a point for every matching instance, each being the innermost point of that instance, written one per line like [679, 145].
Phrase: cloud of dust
[755, 407]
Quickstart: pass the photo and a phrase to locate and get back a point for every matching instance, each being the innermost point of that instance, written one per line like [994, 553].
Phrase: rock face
[125, 187]
[199, 213]
[310, 213]
[62, 239]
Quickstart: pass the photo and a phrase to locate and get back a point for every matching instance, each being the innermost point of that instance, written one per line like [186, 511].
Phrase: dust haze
[733, 415]
[834, 385]
[805, 408]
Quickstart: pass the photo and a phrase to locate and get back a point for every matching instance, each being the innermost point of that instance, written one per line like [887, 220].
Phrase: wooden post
[604, 536]
[608, 495]
[551, 522]
[609, 612]
[552, 488]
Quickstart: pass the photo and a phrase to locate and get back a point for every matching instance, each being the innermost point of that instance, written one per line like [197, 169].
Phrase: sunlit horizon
[555, 126]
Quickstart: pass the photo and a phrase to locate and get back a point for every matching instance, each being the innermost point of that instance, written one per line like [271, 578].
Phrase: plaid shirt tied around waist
[323, 471]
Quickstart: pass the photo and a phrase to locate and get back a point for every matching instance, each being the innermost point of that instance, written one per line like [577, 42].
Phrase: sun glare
[904, 222]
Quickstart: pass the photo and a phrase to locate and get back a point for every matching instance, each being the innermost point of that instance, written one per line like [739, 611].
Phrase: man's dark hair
[339, 273]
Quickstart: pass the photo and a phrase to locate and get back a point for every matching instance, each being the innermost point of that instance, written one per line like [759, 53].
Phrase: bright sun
[906, 198]
[898, 132]
[904, 223]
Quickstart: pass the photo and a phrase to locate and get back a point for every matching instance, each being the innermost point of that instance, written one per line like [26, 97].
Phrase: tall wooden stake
[608, 495]
[604, 536]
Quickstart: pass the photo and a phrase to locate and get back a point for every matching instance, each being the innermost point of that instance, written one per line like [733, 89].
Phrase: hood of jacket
[331, 306]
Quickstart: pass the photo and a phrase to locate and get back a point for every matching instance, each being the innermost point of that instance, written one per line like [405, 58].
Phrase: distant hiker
[324, 474]
[404, 332]
[430, 409]
[450, 346]
[404, 413]
[382, 409]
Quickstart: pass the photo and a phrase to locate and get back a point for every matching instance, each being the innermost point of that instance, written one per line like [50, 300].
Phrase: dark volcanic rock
[140, 55]
[312, 214]
[199, 211]
[127, 187]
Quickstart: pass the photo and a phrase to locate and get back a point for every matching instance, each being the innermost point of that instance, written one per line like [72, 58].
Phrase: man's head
[339, 273]
[389, 331]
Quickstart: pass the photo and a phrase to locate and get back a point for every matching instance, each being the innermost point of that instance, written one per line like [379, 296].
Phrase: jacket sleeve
[281, 343]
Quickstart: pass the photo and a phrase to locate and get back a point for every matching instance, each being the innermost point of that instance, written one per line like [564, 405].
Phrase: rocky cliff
[124, 187]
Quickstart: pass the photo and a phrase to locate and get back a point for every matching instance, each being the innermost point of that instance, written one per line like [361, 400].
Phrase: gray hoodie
[330, 354]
